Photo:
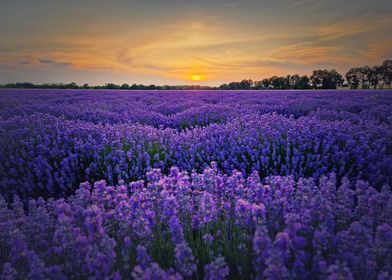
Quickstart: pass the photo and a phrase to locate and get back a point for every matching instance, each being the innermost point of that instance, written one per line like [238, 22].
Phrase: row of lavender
[184, 109]
[50, 142]
[207, 225]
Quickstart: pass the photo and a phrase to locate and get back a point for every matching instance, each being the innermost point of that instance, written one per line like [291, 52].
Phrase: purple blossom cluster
[203, 226]
[51, 141]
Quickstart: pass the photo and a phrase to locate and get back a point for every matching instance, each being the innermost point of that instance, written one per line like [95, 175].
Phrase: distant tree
[386, 72]
[266, 83]
[85, 86]
[152, 87]
[304, 82]
[224, 87]
[257, 85]
[294, 81]
[375, 76]
[124, 86]
[111, 86]
[364, 76]
[279, 82]
[69, 86]
[316, 78]
[286, 84]
[134, 86]
[246, 84]
[274, 82]
[352, 77]
[326, 79]
[335, 79]
[234, 85]
[380, 76]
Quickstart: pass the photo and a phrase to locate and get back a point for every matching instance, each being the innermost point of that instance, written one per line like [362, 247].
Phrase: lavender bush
[267, 185]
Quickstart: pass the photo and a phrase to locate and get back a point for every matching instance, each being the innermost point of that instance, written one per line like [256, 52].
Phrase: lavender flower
[216, 270]
[185, 261]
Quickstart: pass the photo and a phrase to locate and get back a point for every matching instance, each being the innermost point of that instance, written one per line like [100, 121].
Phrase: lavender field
[195, 185]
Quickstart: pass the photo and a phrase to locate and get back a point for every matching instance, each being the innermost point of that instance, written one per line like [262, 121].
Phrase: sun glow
[196, 77]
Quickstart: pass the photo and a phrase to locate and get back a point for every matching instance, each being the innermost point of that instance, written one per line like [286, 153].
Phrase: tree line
[106, 86]
[365, 77]
[379, 76]
[370, 77]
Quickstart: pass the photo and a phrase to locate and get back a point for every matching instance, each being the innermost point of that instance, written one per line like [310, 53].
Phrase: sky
[177, 41]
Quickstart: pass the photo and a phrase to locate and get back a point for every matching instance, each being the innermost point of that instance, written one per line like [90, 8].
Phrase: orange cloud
[348, 28]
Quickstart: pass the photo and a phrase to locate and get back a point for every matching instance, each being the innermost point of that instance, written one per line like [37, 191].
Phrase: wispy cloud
[308, 52]
[353, 27]
[54, 63]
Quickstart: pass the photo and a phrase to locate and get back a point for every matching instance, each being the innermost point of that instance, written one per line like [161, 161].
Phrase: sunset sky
[168, 42]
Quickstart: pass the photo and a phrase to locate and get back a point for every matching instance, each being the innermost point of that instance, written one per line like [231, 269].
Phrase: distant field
[255, 183]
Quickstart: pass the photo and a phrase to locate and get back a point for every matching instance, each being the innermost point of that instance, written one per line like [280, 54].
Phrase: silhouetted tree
[294, 81]
[111, 86]
[304, 82]
[375, 76]
[326, 79]
[246, 84]
[279, 82]
[386, 72]
[352, 77]
[224, 87]
[258, 85]
[234, 85]
[266, 83]
[364, 76]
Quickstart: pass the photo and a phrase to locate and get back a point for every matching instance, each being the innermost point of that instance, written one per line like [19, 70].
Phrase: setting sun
[196, 77]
